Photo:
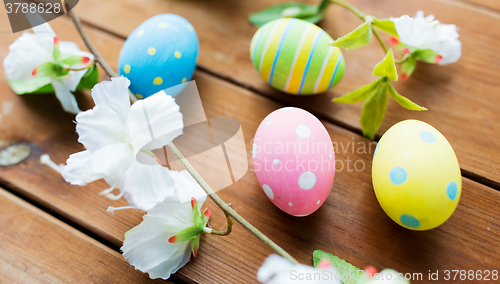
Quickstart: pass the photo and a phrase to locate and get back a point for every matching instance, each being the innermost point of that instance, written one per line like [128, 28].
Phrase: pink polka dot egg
[294, 160]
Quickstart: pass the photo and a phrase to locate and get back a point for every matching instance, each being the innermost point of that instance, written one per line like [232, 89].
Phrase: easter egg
[294, 56]
[416, 176]
[294, 160]
[160, 53]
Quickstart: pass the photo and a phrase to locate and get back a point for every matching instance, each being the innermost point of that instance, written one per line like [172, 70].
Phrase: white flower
[278, 270]
[42, 59]
[421, 33]
[119, 139]
[163, 242]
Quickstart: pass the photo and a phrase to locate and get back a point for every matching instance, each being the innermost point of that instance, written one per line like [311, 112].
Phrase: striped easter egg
[294, 56]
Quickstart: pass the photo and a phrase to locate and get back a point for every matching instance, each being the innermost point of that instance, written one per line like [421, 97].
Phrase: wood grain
[350, 224]
[493, 5]
[37, 248]
[461, 97]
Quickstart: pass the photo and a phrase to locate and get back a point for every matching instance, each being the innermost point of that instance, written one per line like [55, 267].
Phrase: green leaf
[306, 12]
[373, 111]
[385, 25]
[360, 94]
[407, 67]
[403, 101]
[387, 67]
[427, 55]
[42, 85]
[360, 37]
[342, 267]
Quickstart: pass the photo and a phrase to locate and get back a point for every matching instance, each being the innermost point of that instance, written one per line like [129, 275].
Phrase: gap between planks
[39, 205]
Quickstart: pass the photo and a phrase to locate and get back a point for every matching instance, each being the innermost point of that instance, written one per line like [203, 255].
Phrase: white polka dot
[255, 149]
[276, 161]
[318, 202]
[330, 156]
[269, 192]
[307, 180]
[290, 203]
[269, 122]
[303, 131]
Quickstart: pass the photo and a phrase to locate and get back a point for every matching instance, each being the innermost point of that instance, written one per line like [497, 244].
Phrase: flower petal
[111, 162]
[26, 53]
[168, 267]
[154, 122]
[99, 127]
[146, 247]
[187, 187]
[413, 32]
[114, 94]
[75, 171]
[450, 51]
[147, 185]
[65, 97]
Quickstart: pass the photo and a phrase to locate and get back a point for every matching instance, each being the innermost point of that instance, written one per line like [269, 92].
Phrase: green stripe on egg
[294, 56]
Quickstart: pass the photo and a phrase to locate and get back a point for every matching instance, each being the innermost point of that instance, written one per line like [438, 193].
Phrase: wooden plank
[489, 4]
[351, 224]
[461, 97]
[38, 248]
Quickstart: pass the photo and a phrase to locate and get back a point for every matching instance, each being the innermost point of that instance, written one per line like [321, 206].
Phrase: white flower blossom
[119, 139]
[420, 33]
[163, 242]
[278, 270]
[42, 59]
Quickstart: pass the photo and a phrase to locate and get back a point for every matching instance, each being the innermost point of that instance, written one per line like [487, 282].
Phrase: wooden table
[54, 232]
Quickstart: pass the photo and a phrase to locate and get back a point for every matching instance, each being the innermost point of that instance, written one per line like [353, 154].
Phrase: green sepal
[426, 55]
[46, 69]
[360, 94]
[306, 12]
[407, 67]
[195, 245]
[373, 111]
[387, 67]
[72, 60]
[403, 101]
[42, 85]
[186, 234]
[360, 37]
[342, 267]
[56, 53]
[385, 25]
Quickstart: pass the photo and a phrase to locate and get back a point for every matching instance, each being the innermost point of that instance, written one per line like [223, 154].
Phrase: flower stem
[351, 8]
[379, 40]
[226, 208]
[362, 16]
[98, 57]
[228, 230]
[230, 213]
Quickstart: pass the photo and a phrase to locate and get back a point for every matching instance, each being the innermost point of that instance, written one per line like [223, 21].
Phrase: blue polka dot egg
[416, 176]
[160, 53]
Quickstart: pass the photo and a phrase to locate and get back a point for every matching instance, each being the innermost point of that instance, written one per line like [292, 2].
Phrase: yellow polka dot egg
[416, 176]
[294, 56]
[160, 53]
